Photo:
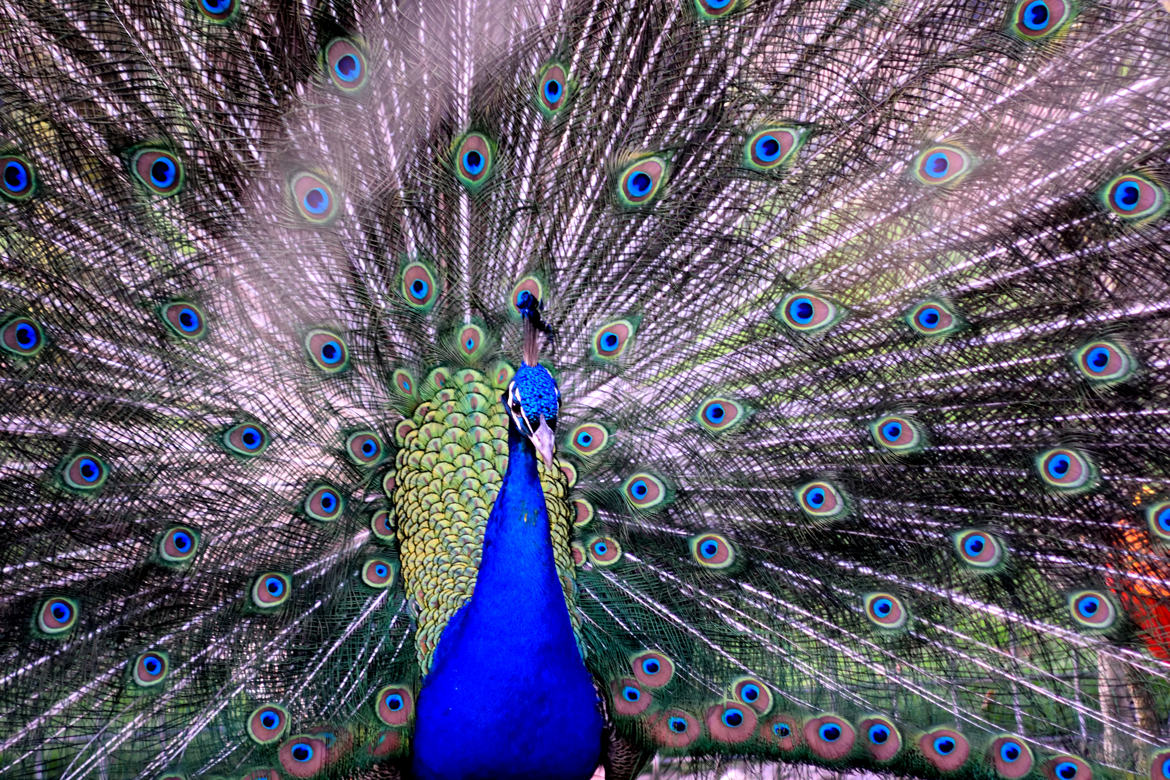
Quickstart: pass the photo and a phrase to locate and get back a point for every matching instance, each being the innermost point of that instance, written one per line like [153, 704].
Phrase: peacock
[472, 389]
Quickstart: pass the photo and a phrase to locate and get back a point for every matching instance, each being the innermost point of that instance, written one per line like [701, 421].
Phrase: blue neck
[508, 694]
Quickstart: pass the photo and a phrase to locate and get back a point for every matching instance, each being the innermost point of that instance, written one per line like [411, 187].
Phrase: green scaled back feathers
[860, 320]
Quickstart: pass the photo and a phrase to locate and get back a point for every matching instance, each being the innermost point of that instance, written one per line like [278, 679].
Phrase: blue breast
[508, 695]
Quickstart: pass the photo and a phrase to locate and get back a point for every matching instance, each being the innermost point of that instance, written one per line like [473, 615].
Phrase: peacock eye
[267, 724]
[21, 336]
[933, 318]
[364, 448]
[327, 350]
[639, 183]
[346, 65]
[18, 180]
[324, 504]
[942, 165]
[1135, 198]
[712, 551]
[610, 341]
[271, 589]
[419, 286]
[1066, 470]
[247, 439]
[395, 704]
[473, 161]
[178, 545]
[552, 90]
[57, 615]
[1092, 609]
[379, 573]
[807, 312]
[714, 9]
[1103, 362]
[218, 11]
[85, 472]
[150, 669]
[158, 170]
[184, 318]
[1034, 20]
[313, 198]
[886, 610]
[978, 549]
[768, 149]
[1010, 757]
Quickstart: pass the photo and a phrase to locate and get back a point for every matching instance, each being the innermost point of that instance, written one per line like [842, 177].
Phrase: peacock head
[532, 401]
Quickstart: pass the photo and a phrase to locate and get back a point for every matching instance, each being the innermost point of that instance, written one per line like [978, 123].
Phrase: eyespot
[502, 374]
[324, 503]
[652, 669]
[753, 693]
[1160, 765]
[720, 414]
[610, 341]
[945, 749]
[150, 668]
[387, 744]
[731, 722]
[19, 181]
[604, 551]
[880, 737]
[327, 350]
[644, 491]
[640, 182]
[185, 319]
[379, 573]
[388, 480]
[1133, 197]
[57, 615]
[382, 524]
[404, 382]
[364, 448]
[587, 439]
[1010, 757]
[267, 723]
[218, 11]
[577, 552]
[1092, 609]
[247, 439]
[313, 198]
[768, 149]
[471, 341]
[821, 501]
[806, 312]
[346, 65]
[552, 89]
[675, 729]
[1066, 768]
[978, 549]
[715, 9]
[395, 705]
[158, 170]
[437, 378]
[84, 472]
[1103, 362]
[897, 434]
[629, 699]
[21, 336]
[829, 737]
[419, 287]
[1158, 518]
[1066, 470]
[942, 165]
[712, 551]
[783, 730]
[271, 589]
[886, 610]
[583, 512]
[303, 755]
[1034, 20]
[178, 544]
[933, 318]
[529, 285]
[473, 160]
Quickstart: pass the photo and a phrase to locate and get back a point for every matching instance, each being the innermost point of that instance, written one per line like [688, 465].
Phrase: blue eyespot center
[188, 319]
[347, 68]
[473, 162]
[639, 489]
[937, 165]
[878, 734]
[651, 666]
[15, 176]
[1088, 606]
[974, 545]
[381, 570]
[316, 201]
[883, 607]
[1059, 466]
[274, 585]
[88, 468]
[1163, 521]
[1127, 194]
[328, 501]
[944, 746]
[630, 693]
[891, 431]
[61, 612]
[640, 184]
[368, 447]
[419, 288]
[1036, 15]
[552, 90]
[217, 6]
[815, 497]
[829, 732]
[1009, 752]
[152, 665]
[1098, 359]
[609, 342]
[678, 725]
[162, 172]
[269, 720]
[394, 702]
[781, 729]
[330, 352]
[709, 548]
[1066, 770]
[929, 317]
[767, 148]
[750, 693]
[584, 439]
[181, 541]
[732, 718]
[302, 752]
[802, 310]
[26, 335]
[715, 413]
[601, 548]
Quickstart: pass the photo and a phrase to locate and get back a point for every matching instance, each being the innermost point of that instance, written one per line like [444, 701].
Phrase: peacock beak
[542, 439]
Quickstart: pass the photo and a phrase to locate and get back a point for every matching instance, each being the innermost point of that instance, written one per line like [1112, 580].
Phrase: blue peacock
[479, 389]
